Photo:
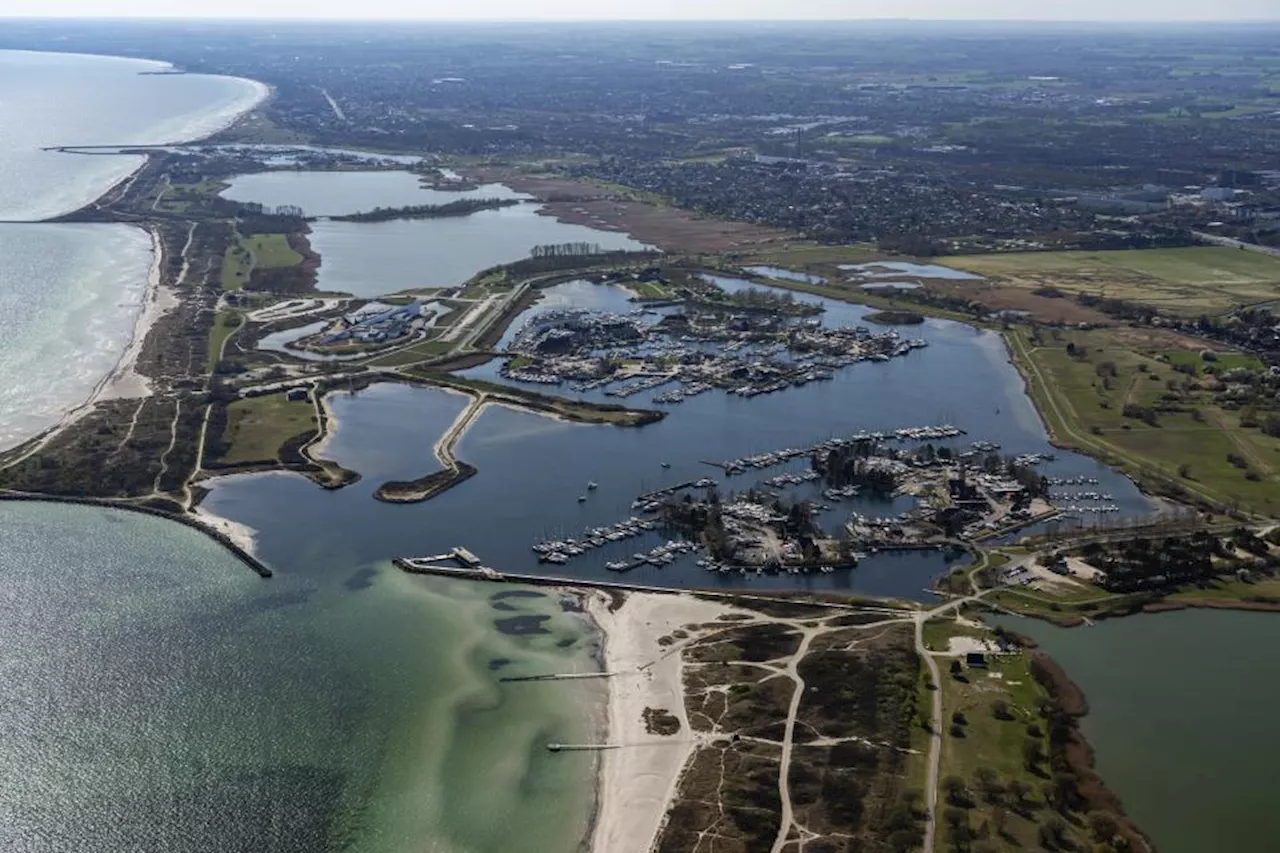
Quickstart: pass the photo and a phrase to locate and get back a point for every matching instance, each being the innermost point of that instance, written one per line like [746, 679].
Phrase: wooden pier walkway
[559, 676]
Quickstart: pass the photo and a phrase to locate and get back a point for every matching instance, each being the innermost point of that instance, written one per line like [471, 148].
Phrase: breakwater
[259, 567]
[415, 567]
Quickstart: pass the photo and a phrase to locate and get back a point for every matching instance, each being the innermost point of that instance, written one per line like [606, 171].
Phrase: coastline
[244, 536]
[637, 781]
[123, 380]
[1075, 751]
[229, 534]
[158, 299]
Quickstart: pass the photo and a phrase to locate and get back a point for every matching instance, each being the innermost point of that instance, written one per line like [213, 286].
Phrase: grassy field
[650, 290]
[411, 355]
[986, 753]
[1190, 427]
[1186, 281]
[258, 426]
[1231, 590]
[257, 251]
[225, 325]
[938, 631]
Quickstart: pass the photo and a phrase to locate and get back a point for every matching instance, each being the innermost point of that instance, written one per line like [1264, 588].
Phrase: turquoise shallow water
[159, 696]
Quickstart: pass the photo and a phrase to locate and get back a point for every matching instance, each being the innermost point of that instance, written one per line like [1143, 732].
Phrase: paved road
[1237, 244]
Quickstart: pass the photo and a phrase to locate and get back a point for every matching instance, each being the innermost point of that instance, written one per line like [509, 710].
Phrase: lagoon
[1181, 715]
[790, 275]
[373, 258]
[337, 193]
[368, 259]
[880, 269]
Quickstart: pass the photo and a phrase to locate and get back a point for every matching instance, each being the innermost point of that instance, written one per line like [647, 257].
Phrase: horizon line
[580, 20]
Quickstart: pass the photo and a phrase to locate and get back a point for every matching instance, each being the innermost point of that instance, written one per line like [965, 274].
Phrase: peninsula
[802, 384]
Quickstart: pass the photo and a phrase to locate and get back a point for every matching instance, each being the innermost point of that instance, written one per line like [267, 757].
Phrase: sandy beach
[638, 781]
[124, 380]
[244, 536]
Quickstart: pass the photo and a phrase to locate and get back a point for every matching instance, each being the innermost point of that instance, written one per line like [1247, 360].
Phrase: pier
[579, 747]
[561, 676]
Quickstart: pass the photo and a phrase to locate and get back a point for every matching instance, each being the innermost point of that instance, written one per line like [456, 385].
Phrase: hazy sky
[1074, 10]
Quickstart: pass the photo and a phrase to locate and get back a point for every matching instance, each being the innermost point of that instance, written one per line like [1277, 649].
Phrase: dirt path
[133, 424]
[164, 457]
[935, 736]
[1247, 450]
[784, 770]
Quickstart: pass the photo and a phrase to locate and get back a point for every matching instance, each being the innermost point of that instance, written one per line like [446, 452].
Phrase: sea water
[158, 695]
[71, 294]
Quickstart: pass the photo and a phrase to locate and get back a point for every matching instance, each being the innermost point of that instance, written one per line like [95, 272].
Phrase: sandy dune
[638, 780]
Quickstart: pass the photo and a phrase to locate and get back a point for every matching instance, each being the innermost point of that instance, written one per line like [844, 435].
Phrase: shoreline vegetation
[1070, 749]
[461, 207]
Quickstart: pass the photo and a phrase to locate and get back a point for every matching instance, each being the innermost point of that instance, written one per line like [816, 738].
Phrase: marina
[727, 343]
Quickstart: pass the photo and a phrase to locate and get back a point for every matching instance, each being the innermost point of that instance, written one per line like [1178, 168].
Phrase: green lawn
[225, 324]
[263, 251]
[1221, 361]
[271, 250]
[984, 741]
[650, 290]
[410, 355]
[258, 426]
[1232, 590]
[237, 263]
[938, 631]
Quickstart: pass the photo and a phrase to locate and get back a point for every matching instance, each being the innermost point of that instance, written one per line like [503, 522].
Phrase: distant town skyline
[523, 10]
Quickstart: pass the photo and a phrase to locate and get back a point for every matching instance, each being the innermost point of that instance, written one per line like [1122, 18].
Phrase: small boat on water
[592, 486]
[666, 464]
[582, 498]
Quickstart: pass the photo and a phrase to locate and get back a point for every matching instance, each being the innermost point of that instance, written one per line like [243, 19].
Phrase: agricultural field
[1184, 281]
[258, 426]
[1159, 409]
